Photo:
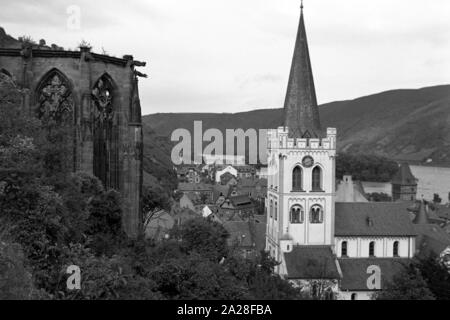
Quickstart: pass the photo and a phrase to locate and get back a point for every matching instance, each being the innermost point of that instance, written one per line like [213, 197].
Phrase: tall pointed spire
[301, 113]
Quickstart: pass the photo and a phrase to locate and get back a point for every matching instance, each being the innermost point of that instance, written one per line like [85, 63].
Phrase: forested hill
[410, 125]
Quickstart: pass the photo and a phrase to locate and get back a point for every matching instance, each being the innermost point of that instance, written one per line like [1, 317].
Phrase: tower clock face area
[308, 162]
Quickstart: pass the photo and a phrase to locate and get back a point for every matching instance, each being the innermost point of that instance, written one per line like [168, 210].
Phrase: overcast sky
[235, 55]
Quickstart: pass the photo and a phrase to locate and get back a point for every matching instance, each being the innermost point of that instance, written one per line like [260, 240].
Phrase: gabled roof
[301, 113]
[354, 271]
[311, 262]
[242, 200]
[404, 176]
[373, 219]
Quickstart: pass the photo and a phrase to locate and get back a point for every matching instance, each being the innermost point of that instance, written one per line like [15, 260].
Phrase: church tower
[301, 167]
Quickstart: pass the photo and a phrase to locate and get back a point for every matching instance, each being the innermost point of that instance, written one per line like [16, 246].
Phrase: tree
[436, 275]
[205, 237]
[15, 280]
[436, 198]
[379, 197]
[263, 283]
[195, 277]
[408, 284]
[154, 199]
[365, 167]
[204, 198]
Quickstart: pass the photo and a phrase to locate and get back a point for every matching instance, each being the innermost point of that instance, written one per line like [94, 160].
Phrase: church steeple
[301, 113]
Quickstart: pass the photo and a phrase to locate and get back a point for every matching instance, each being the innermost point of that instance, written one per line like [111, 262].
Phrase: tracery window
[106, 156]
[55, 100]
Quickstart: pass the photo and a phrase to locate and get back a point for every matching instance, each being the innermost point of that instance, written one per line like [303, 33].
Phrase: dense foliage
[52, 218]
[365, 167]
[423, 279]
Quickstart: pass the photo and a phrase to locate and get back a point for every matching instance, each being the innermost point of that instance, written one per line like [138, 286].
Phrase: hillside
[410, 125]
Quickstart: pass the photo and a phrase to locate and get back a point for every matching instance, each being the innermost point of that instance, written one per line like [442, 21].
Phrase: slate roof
[431, 239]
[242, 202]
[301, 113]
[311, 262]
[373, 219]
[354, 271]
[404, 176]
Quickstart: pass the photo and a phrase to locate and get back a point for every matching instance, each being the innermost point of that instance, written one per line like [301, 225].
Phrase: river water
[431, 180]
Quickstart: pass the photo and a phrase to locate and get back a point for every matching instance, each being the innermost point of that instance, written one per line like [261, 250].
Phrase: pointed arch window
[372, 249]
[344, 248]
[297, 179]
[55, 99]
[317, 179]
[106, 133]
[316, 214]
[297, 214]
[396, 248]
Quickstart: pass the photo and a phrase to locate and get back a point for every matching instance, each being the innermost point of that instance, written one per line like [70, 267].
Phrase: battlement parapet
[279, 139]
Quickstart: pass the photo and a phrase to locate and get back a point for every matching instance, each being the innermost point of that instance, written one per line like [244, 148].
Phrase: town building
[348, 190]
[404, 184]
[335, 249]
[220, 171]
[237, 208]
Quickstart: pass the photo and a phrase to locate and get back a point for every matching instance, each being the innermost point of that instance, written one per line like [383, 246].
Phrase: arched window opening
[271, 209]
[106, 133]
[297, 179]
[297, 214]
[316, 214]
[354, 296]
[54, 99]
[276, 211]
[396, 244]
[317, 179]
[344, 249]
[372, 249]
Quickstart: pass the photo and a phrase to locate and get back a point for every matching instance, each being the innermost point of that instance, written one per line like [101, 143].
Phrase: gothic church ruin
[98, 95]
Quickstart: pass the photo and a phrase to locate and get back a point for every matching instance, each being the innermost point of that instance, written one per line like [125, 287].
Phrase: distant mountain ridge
[408, 125]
